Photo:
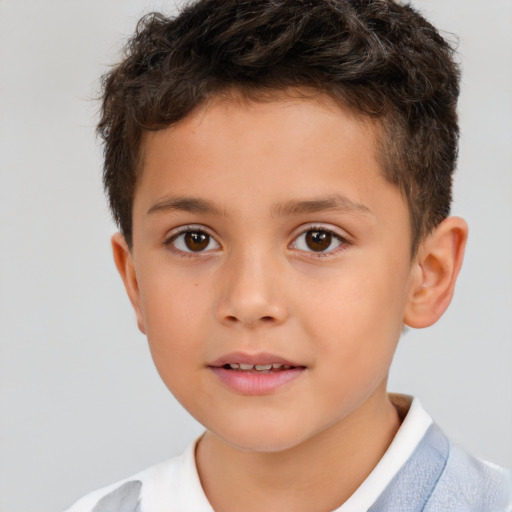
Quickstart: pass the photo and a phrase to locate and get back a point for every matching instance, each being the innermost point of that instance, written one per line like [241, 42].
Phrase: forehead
[291, 108]
[272, 108]
[236, 152]
[287, 126]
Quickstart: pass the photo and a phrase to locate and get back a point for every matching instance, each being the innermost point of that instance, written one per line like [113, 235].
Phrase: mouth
[260, 374]
[259, 368]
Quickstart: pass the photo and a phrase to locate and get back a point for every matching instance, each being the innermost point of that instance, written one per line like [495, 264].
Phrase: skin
[270, 173]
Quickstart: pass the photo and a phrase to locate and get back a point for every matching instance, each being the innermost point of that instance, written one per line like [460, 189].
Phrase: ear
[123, 259]
[435, 270]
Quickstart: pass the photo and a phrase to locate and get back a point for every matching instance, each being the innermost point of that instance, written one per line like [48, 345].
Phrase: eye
[192, 240]
[318, 240]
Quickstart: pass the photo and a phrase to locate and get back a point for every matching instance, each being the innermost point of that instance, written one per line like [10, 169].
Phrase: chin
[259, 437]
[259, 444]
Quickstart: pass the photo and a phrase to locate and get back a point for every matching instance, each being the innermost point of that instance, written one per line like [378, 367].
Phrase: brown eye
[318, 241]
[193, 240]
[196, 240]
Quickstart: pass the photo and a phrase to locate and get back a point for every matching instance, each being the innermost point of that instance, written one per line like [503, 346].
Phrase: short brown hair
[377, 57]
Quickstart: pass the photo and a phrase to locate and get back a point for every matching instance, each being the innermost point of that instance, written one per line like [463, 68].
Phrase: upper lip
[261, 358]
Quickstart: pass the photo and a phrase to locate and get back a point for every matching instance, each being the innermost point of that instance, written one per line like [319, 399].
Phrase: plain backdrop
[80, 402]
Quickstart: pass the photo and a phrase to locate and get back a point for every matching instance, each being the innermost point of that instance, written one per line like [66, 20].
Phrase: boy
[281, 175]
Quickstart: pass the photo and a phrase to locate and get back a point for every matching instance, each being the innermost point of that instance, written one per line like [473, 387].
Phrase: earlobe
[435, 270]
[123, 259]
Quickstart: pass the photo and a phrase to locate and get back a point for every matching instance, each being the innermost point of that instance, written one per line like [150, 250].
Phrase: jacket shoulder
[468, 484]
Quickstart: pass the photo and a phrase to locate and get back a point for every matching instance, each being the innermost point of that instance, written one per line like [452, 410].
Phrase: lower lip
[254, 383]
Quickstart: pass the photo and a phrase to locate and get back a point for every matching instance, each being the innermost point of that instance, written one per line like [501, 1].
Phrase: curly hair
[379, 58]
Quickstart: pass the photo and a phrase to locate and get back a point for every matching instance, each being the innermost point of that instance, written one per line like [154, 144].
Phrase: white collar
[410, 433]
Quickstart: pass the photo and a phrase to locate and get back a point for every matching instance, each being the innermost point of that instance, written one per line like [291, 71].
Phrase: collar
[414, 426]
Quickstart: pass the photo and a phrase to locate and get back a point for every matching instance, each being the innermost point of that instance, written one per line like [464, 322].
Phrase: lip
[253, 382]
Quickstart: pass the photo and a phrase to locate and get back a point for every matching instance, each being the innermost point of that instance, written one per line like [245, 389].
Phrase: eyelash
[169, 241]
[343, 242]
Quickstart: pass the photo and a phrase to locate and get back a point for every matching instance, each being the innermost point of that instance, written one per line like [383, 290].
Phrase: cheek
[170, 301]
[174, 312]
[357, 316]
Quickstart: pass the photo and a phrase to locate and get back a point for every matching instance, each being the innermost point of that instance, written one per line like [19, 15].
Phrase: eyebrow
[334, 202]
[186, 204]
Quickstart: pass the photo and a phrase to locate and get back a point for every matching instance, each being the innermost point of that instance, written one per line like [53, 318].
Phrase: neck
[318, 474]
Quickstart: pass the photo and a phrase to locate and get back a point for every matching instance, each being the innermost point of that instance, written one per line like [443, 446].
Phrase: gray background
[80, 403]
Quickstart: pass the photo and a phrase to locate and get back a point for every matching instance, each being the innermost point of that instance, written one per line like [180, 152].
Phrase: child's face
[264, 233]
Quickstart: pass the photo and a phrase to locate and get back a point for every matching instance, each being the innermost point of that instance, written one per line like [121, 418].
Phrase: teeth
[260, 367]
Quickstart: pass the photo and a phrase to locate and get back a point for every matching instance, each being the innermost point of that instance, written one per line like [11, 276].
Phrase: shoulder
[165, 487]
[438, 476]
[468, 484]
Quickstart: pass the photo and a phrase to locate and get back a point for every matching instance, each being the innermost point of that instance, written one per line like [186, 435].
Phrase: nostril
[264, 319]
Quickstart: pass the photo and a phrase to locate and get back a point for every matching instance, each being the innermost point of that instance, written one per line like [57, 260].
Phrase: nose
[251, 293]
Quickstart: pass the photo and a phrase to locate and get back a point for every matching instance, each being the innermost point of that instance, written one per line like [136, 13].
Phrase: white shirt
[174, 485]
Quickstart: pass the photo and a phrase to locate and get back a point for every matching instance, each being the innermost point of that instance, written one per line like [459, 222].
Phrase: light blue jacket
[439, 477]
